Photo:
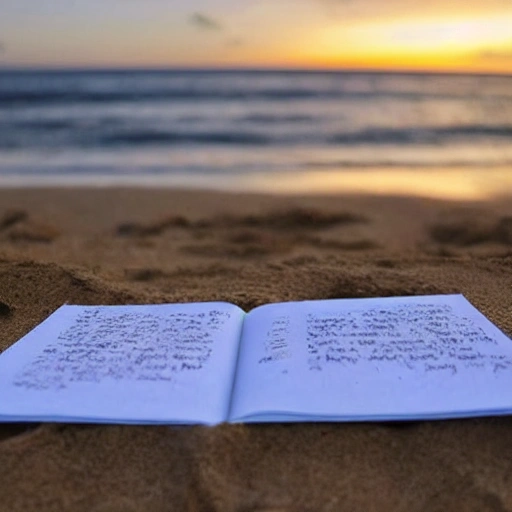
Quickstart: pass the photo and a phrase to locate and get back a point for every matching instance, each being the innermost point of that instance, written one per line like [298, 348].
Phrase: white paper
[124, 364]
[369, 359]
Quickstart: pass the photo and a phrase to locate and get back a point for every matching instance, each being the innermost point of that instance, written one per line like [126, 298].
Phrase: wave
[145, 137]
[376, 136]
[41, 124]
[421, 135]
[123, 168]
[445, 162]
[276, 118]
[13, 98]
[69, 134]
[36, 88]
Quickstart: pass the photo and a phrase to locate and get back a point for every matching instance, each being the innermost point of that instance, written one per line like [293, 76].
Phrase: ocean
[272, 131]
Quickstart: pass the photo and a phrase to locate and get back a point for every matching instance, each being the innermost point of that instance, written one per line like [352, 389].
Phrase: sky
[433, 35]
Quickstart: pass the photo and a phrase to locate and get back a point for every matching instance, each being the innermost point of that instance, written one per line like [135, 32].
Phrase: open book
[398, 358]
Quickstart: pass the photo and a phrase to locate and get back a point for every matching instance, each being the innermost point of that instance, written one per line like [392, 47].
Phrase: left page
[166, 363]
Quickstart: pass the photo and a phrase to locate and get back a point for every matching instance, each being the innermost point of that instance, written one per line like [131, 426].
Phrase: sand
[116, 246]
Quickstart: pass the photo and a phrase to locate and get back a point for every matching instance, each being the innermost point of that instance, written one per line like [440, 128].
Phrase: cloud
[235, 42]
[204, 22]
[2, 48]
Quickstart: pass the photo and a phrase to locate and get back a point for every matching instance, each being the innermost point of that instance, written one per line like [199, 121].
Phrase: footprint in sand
[275, 232]
[5, 309]
[291, 219]
[251, 236]
[17, 226]
[144, 274]
[134, 229]
[12, 217]
[472, 231]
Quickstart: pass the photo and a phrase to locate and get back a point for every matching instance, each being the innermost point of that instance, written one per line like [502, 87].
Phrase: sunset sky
[455, 35]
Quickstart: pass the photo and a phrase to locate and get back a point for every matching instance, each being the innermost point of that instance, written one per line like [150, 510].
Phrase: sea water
[273, 131]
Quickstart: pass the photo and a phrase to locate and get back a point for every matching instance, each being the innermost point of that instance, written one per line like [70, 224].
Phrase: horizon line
[250, 69]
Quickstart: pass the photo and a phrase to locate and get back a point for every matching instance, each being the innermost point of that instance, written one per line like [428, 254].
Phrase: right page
[399, 358]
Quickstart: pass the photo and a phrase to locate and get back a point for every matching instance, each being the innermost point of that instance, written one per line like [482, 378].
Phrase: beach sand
[120, 246]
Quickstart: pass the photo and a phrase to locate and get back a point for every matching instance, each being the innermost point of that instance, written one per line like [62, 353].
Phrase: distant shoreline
[238, 70]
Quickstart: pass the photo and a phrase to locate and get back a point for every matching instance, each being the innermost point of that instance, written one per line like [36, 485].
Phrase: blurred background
[278, 96]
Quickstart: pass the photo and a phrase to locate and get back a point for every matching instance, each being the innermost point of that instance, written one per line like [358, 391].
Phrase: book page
[360, 359]
[171, 363]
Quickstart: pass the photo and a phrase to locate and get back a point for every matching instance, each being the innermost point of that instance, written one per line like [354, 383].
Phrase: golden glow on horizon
[455, 185]
[451, 44]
